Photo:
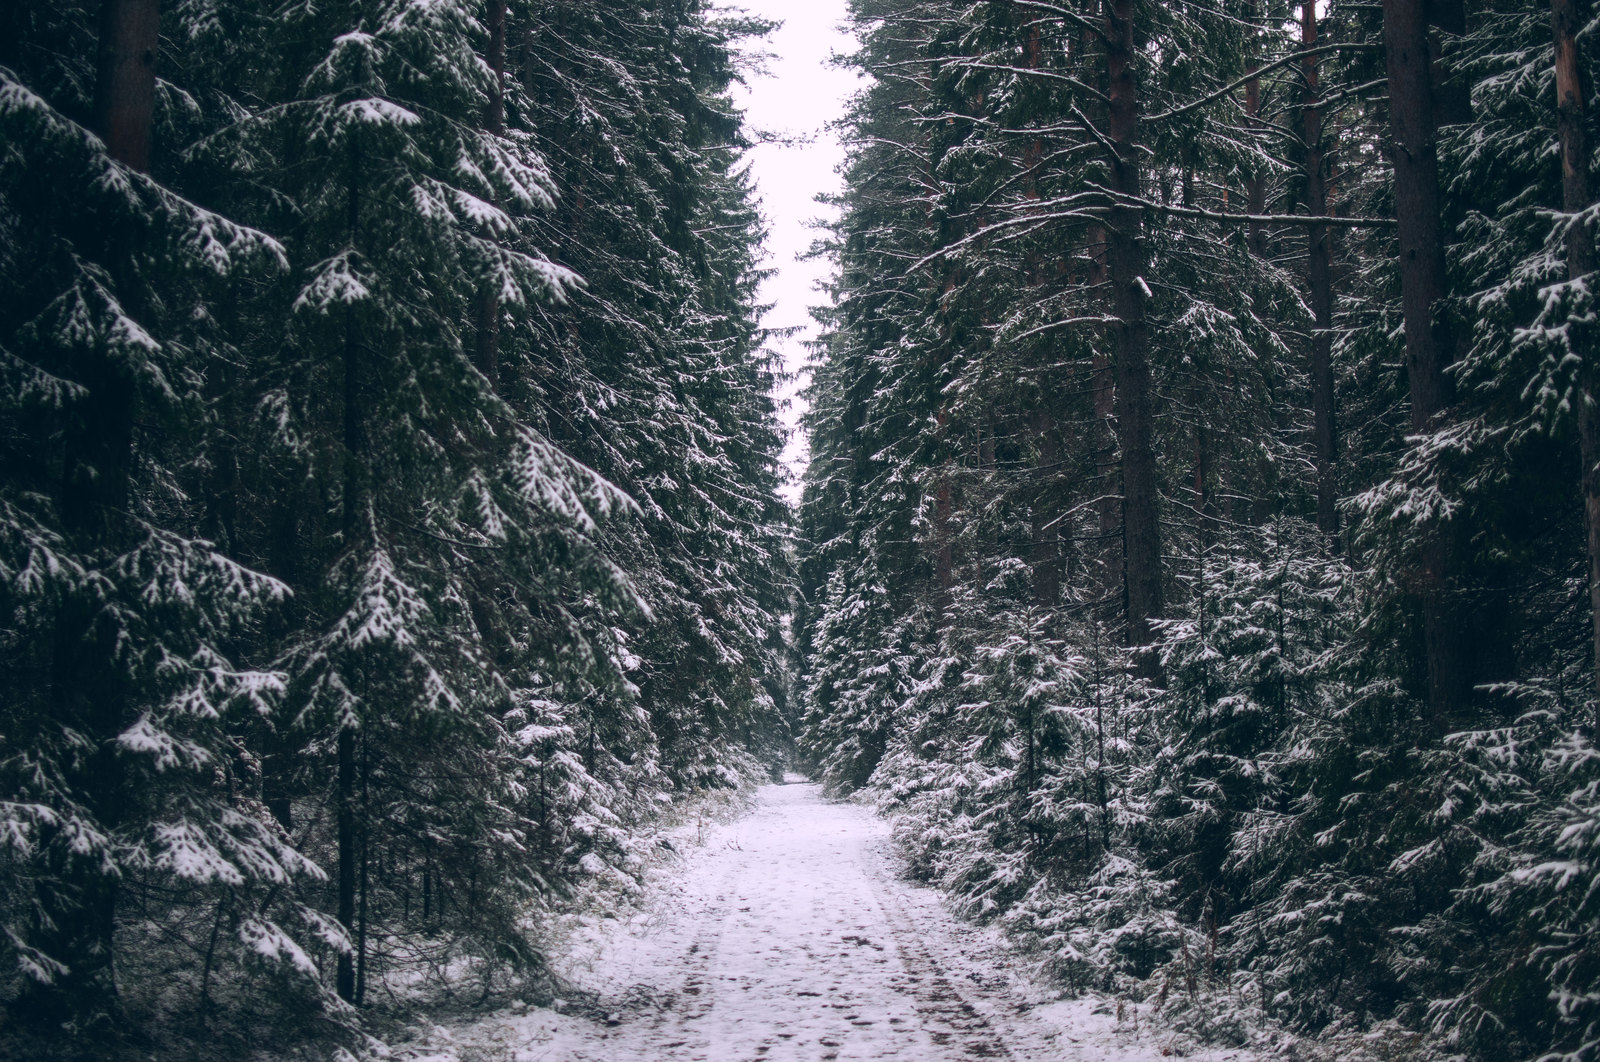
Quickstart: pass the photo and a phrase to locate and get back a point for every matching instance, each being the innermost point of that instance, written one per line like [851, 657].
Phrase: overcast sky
[799, 96]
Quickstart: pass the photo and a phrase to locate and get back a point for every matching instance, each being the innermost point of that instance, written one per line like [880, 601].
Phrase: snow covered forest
[1198, 560]
[388, 522]
[1194, 546]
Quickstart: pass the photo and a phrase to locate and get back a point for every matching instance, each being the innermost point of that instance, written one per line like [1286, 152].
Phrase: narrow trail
[791, 936]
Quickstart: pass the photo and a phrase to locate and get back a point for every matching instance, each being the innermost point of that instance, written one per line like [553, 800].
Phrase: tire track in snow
[799, 953]
[673, 1017]
[949, 1017]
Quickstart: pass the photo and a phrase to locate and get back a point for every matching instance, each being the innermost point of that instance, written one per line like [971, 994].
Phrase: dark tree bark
[1103, 440]
[1125, 259]
[1417, 205]
[76, 901]
[1319, 277]
[345, 976]
[487, 324]
[283, 557]
[943, 549]
[366, 866]
[494, 118]
[125, 81]
[1045, 560]
[1046, 534]
[1107, 559]
[354, 526]
[1256, 189]
[1205, 516]
[1427, 340]
[1565, 21]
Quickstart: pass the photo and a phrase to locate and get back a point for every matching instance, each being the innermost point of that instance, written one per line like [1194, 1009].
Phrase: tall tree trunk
[284, 564]
[1103, 441]
[1046, 517]
[1102, 434]
[366, 866]
[1565, 21]
[487, 323]
[1319, 276]
[125, 81]
[494, 115]
[1256, 189]
[985, 536]
[76, 904]
[354, 525]
[345, 976]
[1428, 344]
[943, 550]
[1045, 532]
[1205, 517]
[1141, 533]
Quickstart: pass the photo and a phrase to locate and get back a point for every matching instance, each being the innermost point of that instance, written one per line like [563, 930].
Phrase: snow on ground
[790, 935]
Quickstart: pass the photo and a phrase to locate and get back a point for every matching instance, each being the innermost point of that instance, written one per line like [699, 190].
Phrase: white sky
[799, 95]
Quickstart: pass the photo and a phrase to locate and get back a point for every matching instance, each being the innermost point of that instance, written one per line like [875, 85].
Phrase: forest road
[791, 938]
[790, 934]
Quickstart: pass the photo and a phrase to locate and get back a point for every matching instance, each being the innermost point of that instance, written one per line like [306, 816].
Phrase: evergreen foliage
[1198, 558]
[1337, 778]
[390, 509]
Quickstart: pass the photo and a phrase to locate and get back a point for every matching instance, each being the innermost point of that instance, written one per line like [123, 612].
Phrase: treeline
[1200, 540]
[388, 515]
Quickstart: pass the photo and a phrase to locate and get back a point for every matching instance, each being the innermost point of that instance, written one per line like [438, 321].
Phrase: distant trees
[1230, 360]
[365, 584]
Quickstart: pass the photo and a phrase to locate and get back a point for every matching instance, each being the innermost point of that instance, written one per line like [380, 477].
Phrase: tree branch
[1241, 82]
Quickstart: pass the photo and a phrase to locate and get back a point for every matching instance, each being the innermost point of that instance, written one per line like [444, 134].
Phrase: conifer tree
[519, 593]
[124, 689]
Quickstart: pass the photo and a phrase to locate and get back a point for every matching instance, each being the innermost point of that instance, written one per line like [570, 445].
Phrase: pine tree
[514, 601]
[121, 763]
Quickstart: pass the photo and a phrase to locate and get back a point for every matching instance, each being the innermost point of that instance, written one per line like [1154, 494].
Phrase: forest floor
[789, 933]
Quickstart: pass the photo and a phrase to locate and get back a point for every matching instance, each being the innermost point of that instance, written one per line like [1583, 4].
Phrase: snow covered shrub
[1107, 929]
[1019, 785]
[1379, 901]
[858, 678]
[1507, 967]
[1242, 679]
[1556, 885]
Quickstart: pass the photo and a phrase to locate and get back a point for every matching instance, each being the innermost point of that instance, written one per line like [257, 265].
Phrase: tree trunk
[1103, 441]
[362, 890]
[494, 115]
[943, 550]
[1256, 189]
[1427, 342]
[77, 900]
[346, 976]
[1102, 432]
[283, 563]
[1046, 531]
[487, 324]
[1141, 534]
[220, 523]
[1565, 22]
[1204, 517]
[125, 82]
[354, 524]
[1320, 279]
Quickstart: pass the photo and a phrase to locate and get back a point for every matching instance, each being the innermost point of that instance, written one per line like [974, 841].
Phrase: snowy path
[789, 936]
